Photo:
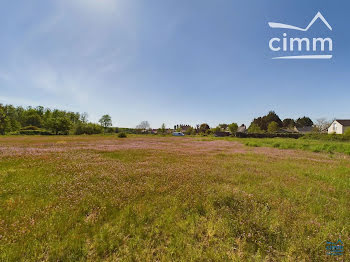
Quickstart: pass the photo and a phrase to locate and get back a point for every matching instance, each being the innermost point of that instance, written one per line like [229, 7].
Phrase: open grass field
[102, 198]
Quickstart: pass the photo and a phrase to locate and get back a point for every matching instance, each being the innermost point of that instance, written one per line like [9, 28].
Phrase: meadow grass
[303, 144]
[103, 198]
[312, 145]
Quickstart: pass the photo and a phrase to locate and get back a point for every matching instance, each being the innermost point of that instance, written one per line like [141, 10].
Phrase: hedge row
[327, 137]
[34, 132]
[268, 135]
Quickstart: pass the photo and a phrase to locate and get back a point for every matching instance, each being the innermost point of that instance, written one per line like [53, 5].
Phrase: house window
[335, 127]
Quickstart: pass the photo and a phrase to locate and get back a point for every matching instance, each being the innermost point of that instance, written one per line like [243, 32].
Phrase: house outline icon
[285, 26]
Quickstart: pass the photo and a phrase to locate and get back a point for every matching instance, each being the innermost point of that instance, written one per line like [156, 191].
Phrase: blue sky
[171, 61]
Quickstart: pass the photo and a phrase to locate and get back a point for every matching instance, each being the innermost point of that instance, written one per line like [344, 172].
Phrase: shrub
[190, 131]
[35, 132]
[233, 128]
[254, 128]
[252, 144]
[347, 134]
[88, 129]
[122, 135]
[327, 137]
[204, 128]
[60, 125]
[272, 127]
[268, 135]
[109, 130]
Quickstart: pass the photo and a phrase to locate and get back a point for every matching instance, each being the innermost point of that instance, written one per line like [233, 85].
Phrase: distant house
[242, 129]
[303, 130]
[183, 128]
[339, 126]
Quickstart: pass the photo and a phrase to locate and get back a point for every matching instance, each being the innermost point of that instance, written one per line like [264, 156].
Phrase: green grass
[312, 145]
[303, 144]
[161, 199]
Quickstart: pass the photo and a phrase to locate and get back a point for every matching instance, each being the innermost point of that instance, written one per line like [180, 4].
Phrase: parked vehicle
[178, 134]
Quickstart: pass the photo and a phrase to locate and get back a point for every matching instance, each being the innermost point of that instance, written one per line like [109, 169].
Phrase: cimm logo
[319, 47]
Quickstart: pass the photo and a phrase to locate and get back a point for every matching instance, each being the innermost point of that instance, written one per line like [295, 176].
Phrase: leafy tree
[272, 117]
[217, 129]
[40, 110]
[273, 127]
[288, 123]
[58, 121]
[223, 126]
[304, 121]
[233, 128]
[60, 125]
[73, 117]
[204, 128]
[46, 118]
[4, 120]
[190, 131]
[88, 129]
[84, 117]
[32, 118]
[263, 122]
[163, 129]
[58, 113]
[105, 121]
[20, 115]
[254, 128]
[14, 124]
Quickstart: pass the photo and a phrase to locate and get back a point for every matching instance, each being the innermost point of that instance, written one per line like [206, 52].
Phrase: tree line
[40, 120]
[271, 123]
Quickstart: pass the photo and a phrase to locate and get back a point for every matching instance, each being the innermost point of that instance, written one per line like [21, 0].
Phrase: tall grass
[103, 198]
[326, 144]
[303, 144]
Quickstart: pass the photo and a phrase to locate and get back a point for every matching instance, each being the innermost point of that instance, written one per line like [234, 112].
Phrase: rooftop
[344, 122]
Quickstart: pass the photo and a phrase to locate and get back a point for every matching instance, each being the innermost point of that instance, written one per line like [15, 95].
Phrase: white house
[339, 126]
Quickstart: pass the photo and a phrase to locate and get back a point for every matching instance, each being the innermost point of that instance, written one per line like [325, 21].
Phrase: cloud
[71, 54]
[45, 79]
[65, 85]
